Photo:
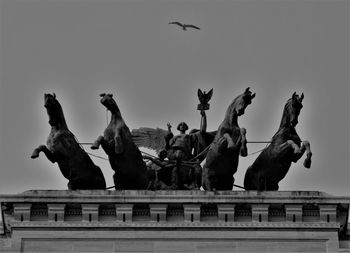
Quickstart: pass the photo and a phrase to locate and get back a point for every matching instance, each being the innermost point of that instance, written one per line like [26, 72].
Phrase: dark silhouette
[179, 147]
[63, 148]
[201, 138]
[184, 26]
[273, 163]
[229, 142]
[184, 152]
[124, 156]
[204, 98]
[178, 171]
[159, 172]
[186, 174]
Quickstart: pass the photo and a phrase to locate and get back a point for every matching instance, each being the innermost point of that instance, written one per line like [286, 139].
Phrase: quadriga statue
[63, 148]
[178, 166]
[273, 163]
[124, 156]
[229, 142]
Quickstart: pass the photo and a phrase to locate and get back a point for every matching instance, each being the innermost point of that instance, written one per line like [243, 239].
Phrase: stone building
[174, 221]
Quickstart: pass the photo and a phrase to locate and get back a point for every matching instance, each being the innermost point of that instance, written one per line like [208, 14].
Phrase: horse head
[54, 110]
[292, 109]
[50, 100]
[108, 101]
[242, 101]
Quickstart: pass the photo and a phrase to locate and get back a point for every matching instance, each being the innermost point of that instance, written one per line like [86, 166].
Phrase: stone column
[192, 212]
[21, 211]
[294, 212]
[124, 212]
[158, 212]
[328, 213]
[226, 212]
[56, 212]
[260, 212]
[90, 212]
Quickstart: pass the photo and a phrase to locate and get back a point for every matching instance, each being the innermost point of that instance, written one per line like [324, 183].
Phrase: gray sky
[79, 49]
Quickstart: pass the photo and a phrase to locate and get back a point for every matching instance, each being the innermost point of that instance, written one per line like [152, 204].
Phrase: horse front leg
[307, 161]
[244, 149]
[206, 184]
[47, 152]
[299, 151]
[226, 141]
[101, 141]
[118, 142]
[97, 143]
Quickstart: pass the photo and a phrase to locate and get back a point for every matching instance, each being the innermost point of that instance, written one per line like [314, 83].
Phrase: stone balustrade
[188, 221]
[174, 207]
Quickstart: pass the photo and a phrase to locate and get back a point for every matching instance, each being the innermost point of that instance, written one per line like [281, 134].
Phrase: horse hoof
[34, 155]
[307, 163]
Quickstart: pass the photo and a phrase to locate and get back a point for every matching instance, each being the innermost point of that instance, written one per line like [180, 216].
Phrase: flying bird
[184, 26]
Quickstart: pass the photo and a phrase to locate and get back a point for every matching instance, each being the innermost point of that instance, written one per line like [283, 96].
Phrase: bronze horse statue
[229, 142]
[124, 156]
[273, 163]
[62, 147]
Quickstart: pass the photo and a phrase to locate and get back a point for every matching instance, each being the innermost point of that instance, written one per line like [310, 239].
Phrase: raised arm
[203, 128]
[168, 137]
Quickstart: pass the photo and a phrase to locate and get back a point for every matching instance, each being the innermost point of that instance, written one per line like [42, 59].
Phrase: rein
[188, 162]
[201, 153]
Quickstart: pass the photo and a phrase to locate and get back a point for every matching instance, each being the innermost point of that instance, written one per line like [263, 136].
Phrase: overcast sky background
[79, 49]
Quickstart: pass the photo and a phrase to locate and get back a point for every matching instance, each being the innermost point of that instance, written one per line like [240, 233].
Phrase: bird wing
[193, 26]
[200, 95]
[210, 94]
[176, 23]
[150, 138]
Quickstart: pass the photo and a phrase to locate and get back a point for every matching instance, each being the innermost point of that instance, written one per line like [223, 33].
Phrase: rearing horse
[229, 142]
[273, 163]
[62, 147]
[124, 156]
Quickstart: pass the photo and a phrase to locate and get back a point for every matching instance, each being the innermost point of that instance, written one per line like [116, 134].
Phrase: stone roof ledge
[279, 221]
[173, 196]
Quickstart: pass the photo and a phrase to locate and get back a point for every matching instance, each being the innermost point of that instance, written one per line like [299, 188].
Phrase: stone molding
[93, 220]
[260, 212]
[328, 213]
[56, 212]
[192, 212]
[142, 196]
[21, 211]
[89, 212]
[124, 212]
[158, 212]
[181, 209]
[226, 212]
[294, 212]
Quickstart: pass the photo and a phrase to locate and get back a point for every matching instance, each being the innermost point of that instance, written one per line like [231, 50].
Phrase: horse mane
[284, 120]
[61, 114]
[58, 113]
[116, 113]
[285, 115]
[229, 112]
